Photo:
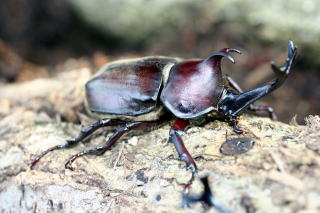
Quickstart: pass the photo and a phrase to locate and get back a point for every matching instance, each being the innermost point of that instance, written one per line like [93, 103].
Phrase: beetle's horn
[223, 53]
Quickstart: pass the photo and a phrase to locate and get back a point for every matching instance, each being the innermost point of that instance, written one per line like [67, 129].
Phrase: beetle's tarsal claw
[291, 49]
[234, 123]
[285, 69]
[36, 160]
[33, 163]
[68, 165]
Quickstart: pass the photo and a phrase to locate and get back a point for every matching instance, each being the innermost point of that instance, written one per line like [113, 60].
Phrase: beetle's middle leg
[252, 107]
[178, 126]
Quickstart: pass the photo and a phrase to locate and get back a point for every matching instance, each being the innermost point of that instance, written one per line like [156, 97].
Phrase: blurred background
[42, 38]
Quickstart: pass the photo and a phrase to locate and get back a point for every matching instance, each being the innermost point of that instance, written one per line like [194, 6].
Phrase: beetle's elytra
[138, 93]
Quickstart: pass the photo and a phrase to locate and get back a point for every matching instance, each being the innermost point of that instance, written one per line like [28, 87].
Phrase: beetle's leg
[83, 134]
[261, 108]
[112, 139]
[232, 104]
[234, 124]
[252, 107]
[234, 85]
[179, 126]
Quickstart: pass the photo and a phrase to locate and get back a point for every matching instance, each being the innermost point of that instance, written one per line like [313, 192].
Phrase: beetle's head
[227, 105]
[224, 110]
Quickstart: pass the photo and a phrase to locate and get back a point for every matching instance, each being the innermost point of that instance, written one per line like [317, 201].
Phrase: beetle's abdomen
[127, 88]
[193, 89]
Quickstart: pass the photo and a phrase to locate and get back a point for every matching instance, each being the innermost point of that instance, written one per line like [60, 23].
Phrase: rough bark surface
[142, 173]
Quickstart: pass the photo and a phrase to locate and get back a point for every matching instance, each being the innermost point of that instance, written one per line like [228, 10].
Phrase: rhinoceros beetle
[140, 93]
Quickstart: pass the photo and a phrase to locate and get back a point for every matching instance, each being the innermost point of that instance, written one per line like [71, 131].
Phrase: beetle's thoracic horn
[224, 53]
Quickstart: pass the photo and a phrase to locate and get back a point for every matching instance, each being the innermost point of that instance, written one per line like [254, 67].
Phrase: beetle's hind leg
[100, 150]
[254, 108]
[83, 134]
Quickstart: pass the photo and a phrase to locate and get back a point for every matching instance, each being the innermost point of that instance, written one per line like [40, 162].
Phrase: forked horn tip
[233, 50]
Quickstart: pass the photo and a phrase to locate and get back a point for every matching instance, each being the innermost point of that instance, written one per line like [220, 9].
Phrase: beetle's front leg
[252, 107]
[178, 127]
[232, 104]
[234, 124]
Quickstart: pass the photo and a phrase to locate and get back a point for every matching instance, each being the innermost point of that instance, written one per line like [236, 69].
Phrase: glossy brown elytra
[140, 93]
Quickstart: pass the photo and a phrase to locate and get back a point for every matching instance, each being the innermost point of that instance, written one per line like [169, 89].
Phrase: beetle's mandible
[140, 93]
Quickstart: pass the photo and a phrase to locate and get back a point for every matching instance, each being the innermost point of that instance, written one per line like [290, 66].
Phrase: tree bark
[142, 173]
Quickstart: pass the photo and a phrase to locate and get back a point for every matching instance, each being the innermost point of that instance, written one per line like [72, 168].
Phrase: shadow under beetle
[140, 93]
[206, 197]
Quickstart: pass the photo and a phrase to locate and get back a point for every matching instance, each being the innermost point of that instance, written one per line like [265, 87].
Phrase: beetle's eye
[222, 108]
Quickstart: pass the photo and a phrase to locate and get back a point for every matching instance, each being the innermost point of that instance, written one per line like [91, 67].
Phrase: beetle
[139, 93]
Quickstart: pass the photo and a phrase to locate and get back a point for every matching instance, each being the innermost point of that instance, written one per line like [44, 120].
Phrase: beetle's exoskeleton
[139, 93]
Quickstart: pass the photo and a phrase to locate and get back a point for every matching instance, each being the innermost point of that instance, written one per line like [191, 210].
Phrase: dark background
[36, 37]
